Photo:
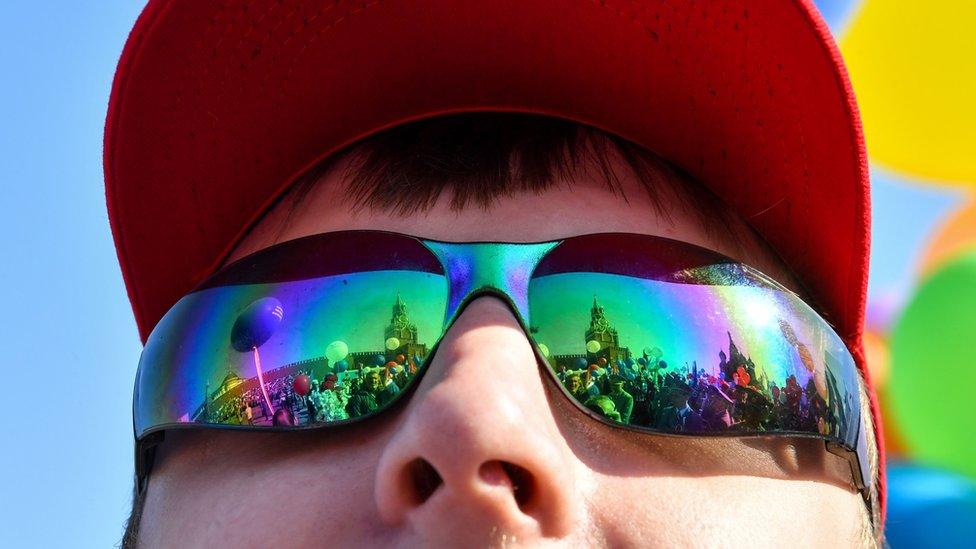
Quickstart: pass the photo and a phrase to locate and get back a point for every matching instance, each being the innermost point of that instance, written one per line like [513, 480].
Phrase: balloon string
[264, 390]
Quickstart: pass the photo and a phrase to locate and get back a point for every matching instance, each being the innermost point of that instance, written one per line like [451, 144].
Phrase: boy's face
[484, 405]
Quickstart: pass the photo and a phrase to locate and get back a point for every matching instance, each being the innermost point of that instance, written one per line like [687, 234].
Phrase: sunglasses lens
[691, 346]
[290, 352]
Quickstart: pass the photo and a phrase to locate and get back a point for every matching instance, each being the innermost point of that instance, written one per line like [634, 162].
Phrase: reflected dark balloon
[379, 360]
[255, 325]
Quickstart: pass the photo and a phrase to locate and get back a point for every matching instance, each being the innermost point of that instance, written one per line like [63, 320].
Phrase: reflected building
[400, 328]
[602, 332]
[728, 364]
[405, 331]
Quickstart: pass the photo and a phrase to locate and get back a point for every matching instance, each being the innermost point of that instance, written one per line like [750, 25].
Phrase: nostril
[425, 479]
[523, 485]
[519, 479]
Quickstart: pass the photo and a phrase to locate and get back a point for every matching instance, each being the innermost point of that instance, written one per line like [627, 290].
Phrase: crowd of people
[691, 400]
[646, 393]
[336, 396]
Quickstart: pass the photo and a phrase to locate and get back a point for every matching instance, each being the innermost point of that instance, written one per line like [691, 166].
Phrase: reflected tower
[405, 331]
[601, 331]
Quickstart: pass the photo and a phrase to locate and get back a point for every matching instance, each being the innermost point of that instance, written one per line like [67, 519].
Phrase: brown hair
[481, 157]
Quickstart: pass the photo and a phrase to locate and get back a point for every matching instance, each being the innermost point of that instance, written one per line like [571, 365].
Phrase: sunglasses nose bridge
[501, 269]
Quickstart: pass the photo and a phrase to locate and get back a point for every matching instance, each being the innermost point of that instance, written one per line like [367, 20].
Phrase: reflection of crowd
[250, 407]
[334, 397]
[649, 394]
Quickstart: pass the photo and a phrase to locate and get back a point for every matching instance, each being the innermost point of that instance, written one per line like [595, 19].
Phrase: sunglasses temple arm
[145, 456]
[857, 475]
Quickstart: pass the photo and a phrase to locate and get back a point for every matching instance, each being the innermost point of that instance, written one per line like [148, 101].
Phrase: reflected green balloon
[933, 368]
[544, 350]
[336, 351]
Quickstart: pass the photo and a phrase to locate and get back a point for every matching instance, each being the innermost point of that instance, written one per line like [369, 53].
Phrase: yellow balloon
[913, 65]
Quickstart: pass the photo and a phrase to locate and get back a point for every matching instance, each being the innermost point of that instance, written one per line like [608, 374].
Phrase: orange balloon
[956, 235]
[894, 440]
[878, 358]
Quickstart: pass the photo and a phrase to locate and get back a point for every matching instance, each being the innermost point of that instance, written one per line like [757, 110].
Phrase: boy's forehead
[574, 205]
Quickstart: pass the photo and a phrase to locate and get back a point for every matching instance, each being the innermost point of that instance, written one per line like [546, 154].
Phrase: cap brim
[216, 109]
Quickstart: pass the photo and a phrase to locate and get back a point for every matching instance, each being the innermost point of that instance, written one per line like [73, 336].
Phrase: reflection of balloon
[544, 350]
[336, 351]
[653, 355]
[601, 361]
[256, 323]
[379, 360]
[944, 502]
[742, 377]
[916, 100]
[580, 363]
[642, 361]
[342, 366]
[400, 359]
[392, 344]
[932, 375]
[391, 364]
[820, 382]
[593, 346]
[301, 385]
[956, 236]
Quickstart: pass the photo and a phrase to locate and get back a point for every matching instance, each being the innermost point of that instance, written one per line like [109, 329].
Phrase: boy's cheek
[242, 489]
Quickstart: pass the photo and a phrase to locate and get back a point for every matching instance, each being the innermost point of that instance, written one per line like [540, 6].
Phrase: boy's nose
[479, 455]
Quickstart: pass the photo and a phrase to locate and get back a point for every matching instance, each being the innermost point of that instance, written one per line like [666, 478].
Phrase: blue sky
[69, 342]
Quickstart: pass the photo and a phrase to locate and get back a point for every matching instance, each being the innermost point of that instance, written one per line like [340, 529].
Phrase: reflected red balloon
[601, 361]
[302, 385]
[400, 359]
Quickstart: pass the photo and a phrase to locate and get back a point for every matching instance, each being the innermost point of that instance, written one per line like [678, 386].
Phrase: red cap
[216, 109]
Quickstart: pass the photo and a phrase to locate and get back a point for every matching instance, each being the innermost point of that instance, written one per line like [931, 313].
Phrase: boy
[252, 148]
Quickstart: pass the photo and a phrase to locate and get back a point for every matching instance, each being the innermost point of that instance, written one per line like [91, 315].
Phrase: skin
[591, 485]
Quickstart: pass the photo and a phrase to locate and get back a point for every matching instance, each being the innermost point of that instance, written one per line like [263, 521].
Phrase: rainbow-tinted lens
[675, 342]
[333, 347]
[641, 331]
